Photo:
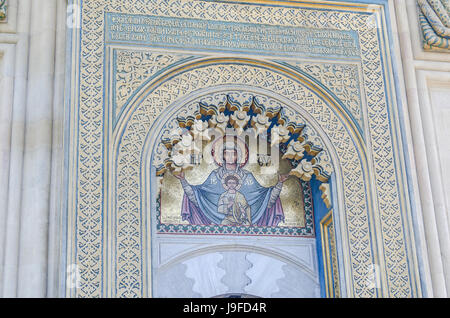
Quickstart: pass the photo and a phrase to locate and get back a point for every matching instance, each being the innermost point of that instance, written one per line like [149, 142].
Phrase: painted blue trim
[295, 4]
[260, 66]
[320, 210]
[105, 137]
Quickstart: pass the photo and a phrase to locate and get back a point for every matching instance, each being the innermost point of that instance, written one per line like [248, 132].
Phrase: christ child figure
[233, 204]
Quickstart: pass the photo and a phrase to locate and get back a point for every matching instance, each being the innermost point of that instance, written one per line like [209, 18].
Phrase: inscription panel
[218, 35]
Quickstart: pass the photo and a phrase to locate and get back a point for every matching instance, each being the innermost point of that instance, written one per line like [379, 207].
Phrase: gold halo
[217, 149]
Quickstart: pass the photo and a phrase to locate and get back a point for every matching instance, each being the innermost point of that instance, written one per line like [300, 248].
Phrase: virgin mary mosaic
[231, 195]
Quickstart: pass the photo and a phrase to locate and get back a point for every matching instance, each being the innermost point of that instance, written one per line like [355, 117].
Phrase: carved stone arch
[140, 125]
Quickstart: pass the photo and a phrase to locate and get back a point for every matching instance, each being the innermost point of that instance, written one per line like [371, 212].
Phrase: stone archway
[314, 103]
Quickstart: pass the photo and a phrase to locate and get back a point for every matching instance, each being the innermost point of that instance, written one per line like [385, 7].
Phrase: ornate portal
[221, 147]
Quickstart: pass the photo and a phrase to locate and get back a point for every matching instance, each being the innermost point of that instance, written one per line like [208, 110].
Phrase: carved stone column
[12, 228]
[32, 276]
[2, 10]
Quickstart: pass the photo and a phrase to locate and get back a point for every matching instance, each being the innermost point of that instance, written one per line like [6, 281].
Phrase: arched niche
[138, 133]
[280, 111]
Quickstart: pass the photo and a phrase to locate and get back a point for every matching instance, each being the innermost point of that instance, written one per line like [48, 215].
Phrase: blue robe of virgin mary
[201, 206]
